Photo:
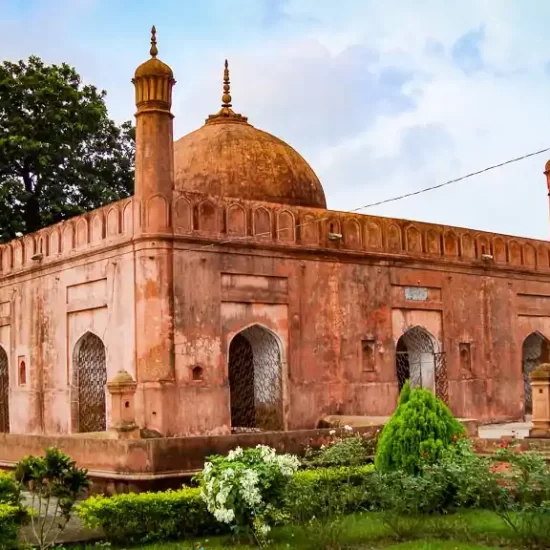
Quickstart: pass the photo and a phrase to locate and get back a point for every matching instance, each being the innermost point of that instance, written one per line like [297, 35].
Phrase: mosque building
[224, 296]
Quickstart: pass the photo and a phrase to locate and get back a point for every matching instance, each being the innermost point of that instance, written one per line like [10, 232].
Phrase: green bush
[10, 493]
[9, 523]
[349, 449]
[55, 483]
[9, 489]
[137, 518]
[329, 491]
[12, 511]
[419, 430]
[523, 497]
[467, 479]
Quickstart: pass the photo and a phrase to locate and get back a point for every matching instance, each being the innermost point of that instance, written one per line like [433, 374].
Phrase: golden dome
[229, 157]
[154, 66]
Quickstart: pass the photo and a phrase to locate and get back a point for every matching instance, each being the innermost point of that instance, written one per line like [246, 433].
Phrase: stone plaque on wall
[416, 293]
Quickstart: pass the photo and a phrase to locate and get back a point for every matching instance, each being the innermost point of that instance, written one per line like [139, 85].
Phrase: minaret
[153, 244]
[154, 172]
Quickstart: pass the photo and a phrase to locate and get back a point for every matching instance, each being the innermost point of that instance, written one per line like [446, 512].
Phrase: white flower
[331, 432]
[348, 428]
[288, 464]
[232, 455]
[264, 529]
[228, 473]
[249, 490]
[224, 515]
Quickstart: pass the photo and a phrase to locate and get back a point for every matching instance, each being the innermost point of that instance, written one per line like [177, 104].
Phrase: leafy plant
[418, 432]
[10, 493]
[55, 483]
[348, 449]
[245, 488]
[9, 523]
[523, 500]
[467, 478]
[405, 498]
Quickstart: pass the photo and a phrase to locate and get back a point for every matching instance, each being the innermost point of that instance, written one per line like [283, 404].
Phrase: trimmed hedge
[149, 517]
[345, 489]
[138, 518]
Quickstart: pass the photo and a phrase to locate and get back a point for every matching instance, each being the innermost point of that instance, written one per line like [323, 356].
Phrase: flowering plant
[245, 487]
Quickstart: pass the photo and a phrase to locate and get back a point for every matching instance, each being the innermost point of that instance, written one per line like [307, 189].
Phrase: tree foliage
[60, 153]
[420, 428]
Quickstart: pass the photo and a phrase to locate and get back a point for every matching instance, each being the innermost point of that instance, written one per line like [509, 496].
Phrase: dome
[229, 157]
[154, 67]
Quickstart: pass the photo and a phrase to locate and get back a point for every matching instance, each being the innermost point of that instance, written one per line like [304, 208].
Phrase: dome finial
[154, 50]
[226, 113]
[226, 97]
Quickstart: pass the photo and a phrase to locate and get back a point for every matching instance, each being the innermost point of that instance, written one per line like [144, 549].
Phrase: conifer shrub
[421, 427]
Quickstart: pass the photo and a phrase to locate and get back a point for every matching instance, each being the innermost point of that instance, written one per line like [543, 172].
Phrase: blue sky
[382, 98]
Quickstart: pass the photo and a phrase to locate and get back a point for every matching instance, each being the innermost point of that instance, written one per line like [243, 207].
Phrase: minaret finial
[226, 97]
[154, 50]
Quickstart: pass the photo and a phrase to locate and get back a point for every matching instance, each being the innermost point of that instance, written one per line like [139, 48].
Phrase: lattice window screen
[255, 381]
[90, 380]
[4, 392]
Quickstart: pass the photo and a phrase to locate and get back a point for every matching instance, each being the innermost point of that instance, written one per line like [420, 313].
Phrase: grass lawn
[412, 545]
[369, 531]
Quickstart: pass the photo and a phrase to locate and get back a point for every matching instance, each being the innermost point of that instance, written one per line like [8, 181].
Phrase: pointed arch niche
[255, 380]
[418, 358]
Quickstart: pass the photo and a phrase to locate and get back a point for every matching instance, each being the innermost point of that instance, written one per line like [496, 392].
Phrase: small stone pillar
[540, 390]
[122, 389]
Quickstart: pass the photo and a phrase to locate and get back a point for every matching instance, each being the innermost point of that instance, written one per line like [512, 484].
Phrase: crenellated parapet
[225, 221]
[81, 234]
[231, 221]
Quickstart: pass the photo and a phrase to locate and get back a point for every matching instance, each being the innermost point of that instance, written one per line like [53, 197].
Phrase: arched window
[419, 360]
[4, 392]
[415, 358]
[255, 381]
[534, 352]
[89, 381]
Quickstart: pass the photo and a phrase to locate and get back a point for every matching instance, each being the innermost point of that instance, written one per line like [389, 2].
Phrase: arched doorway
[4, 392]
[255, 381]
[535, 351]
[418, 359]
[89, 381]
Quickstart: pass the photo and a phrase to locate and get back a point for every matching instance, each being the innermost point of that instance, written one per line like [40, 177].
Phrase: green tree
[60, 153]
[419, 430]
[55, 483]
